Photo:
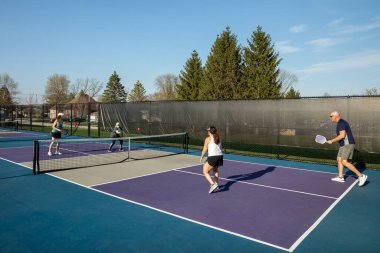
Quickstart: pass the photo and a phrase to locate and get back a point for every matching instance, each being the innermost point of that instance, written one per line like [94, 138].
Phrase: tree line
[230, 72]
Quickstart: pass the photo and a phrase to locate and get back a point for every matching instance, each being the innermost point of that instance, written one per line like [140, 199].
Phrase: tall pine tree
[191, 78]
[292, 93]
[260, 69]
[222, 70]
[138, 93]
[114, 92]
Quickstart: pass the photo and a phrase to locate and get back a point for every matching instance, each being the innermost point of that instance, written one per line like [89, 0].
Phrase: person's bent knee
[206, 168]
[345, 162]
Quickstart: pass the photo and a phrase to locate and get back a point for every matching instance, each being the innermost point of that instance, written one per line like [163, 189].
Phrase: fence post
[150, 114]
[88, 119]
[71, 119]
[30, 117]
[98, 109]
[43, 117]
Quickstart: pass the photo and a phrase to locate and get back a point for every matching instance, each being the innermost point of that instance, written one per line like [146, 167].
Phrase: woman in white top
[215, 157]
[56, 134]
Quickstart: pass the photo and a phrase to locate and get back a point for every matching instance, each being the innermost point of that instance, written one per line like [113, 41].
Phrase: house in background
[77, 109]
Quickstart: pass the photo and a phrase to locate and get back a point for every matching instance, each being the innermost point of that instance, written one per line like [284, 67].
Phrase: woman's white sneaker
[338, 179]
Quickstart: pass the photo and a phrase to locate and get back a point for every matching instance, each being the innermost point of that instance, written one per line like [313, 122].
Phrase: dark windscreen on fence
[282, 128]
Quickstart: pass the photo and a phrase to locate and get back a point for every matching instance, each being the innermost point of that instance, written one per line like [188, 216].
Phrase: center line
[267, 186]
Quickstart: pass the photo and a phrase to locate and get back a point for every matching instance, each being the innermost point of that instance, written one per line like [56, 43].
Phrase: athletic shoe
[362, 180]
[58, 153]
[213, 188]
[49, 153]
[338, 179]
[121, 149]
[109, 151]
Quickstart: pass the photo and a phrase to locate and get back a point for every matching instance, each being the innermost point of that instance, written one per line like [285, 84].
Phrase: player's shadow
[244, 177]
[359, 162]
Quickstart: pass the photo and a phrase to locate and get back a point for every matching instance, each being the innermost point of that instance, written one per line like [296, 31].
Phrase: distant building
[77, 109]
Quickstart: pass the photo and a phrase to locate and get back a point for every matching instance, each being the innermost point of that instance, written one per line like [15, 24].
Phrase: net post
[186, 143]
[129, 148]
[35, 157]
[88, 117]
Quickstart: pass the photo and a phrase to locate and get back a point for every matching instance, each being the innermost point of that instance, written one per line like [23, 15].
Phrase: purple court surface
[274, 205]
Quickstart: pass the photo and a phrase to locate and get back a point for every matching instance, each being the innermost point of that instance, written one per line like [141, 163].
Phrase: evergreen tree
[191, 78]
[222, 70]
[5, 96]
[114, 92]
[260, 69]
[292, 93]
[137, 93]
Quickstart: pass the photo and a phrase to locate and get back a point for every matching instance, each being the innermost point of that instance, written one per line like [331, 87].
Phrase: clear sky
[333, 46]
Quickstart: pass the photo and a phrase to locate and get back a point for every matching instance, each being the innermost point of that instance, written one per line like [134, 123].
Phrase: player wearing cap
[56, 134]
[213, 146]
[116, 133]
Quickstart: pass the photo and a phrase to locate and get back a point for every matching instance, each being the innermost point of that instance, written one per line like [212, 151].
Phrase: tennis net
[81, 153]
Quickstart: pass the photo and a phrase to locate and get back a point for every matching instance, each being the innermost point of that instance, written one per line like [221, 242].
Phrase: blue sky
[331, 45]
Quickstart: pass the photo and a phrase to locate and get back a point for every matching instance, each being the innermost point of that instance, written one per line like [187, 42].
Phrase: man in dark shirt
[346, 148]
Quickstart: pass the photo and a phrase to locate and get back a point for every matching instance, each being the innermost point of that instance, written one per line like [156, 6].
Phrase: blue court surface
[262, 205]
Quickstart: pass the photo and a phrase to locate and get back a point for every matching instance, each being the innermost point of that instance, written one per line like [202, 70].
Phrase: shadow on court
[15, 176]
[244, 177]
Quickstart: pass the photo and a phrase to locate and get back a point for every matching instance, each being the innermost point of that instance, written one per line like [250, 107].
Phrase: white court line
[16, 163]
[291, 249]
[175, 215]
[150, 174]
[262, 185]
[319, 220]
[293, 168]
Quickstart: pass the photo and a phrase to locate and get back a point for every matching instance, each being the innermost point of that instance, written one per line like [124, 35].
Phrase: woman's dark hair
[215, 135]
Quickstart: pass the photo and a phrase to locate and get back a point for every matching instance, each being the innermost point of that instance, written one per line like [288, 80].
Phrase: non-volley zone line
[260, 185]
[187, 190]
[275, 208]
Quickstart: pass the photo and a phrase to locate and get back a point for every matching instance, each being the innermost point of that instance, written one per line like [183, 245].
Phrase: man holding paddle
[346, 149]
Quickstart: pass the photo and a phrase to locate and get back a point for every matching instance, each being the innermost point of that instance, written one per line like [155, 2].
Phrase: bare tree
[90, 87]
[166, 85]
[7, 82]
[31, 99]
[57, 88]
[371, 91]
[287, 80]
